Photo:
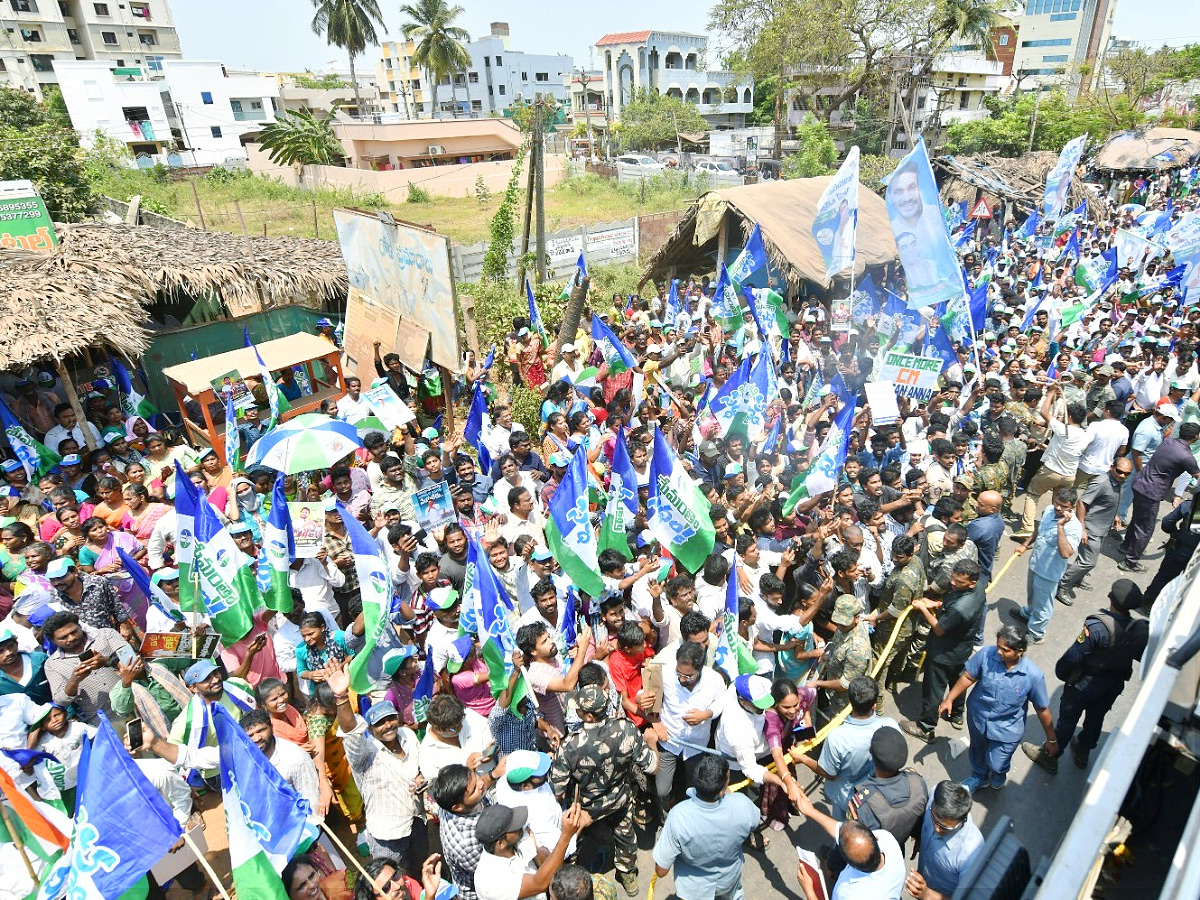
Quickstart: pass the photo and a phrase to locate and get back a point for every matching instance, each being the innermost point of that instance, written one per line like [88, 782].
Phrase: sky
[276, 35]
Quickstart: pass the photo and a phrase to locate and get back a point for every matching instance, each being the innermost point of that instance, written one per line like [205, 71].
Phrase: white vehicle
[639, 165]
[715, 168]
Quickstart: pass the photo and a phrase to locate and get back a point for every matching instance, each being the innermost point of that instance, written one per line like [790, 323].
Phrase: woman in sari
[321, 718]
[99, 555]
[111, 508]
[70, 538]
[15, 537]
[320, 649]
[557, 436]
[790, 714]
[143, 513]
[216, 473]
[136, 473]
[137, 430]
[286, 720]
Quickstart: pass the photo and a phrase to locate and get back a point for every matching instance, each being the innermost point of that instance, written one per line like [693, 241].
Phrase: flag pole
[352, 857]
[204, 864]
[20, 844]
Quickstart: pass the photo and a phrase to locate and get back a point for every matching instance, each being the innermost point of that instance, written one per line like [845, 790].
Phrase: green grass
[273, 208]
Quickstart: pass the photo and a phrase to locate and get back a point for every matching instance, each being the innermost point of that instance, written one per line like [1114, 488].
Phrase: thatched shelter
[1017, 181]
[97, 289]
[784, 211]
[1149, 151]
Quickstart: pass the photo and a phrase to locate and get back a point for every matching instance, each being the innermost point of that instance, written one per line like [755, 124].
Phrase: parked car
[715, 168]
[639, 164]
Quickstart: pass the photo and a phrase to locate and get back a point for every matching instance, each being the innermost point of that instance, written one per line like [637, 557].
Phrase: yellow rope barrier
[819, 737]
[653, 882]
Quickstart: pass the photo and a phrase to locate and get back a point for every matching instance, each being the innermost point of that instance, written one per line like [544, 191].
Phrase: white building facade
[1059, 41]
[37, 34]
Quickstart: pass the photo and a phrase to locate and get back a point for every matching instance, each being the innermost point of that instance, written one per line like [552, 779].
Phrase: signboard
[24, 222]
[882, 401]
[308, 528]
[912, 376]
[602, 244]
[981, 210]
[405, 272]
[841, 314]
[434, 506]
[178, 645]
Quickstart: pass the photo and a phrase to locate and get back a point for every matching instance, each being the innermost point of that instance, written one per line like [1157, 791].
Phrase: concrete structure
[36, 34]
[674, 64]
[428, 143]
[497, 78]
[1061, 40]
[294, 96]
[195, 106]
[953, 92]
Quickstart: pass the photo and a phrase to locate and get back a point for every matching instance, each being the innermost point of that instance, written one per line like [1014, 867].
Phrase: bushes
[527, 409]
[417, 194]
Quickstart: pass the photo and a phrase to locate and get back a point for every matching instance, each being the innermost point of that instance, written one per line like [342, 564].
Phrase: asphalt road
[1041, 805]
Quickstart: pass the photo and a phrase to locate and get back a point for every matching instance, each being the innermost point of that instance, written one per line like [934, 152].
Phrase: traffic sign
[981, 210]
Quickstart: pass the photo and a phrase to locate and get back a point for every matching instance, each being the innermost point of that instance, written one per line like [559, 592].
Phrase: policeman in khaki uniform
[905, 584]
[993, 473]
[1094, 671]
[847, 654]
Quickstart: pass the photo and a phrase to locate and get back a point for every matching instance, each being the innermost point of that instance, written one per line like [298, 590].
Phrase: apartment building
[497, 79]
[1062, 42]
[675, 64]
[196, 107]
[35, 34]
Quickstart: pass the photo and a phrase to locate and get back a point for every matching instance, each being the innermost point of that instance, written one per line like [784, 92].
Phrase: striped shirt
[385, 780]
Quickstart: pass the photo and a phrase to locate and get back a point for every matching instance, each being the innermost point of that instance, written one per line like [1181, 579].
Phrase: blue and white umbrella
[305, 443]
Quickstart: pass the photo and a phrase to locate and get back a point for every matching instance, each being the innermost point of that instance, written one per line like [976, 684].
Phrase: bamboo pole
[204, 864]
[73, 398]
[20, 844]
[353, 859]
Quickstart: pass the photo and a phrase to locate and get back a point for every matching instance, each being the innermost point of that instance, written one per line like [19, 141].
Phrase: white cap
[1170, 410]
[568, 348]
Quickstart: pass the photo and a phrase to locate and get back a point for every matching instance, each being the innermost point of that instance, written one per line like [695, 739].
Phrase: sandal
[758, 841]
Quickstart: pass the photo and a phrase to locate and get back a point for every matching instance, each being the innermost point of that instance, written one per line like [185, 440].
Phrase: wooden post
[526, 215]
[351, 858]
[73, 399]
[199, 209]
[16, 836]
[448, 399]
[204, 864]
[722, 241]
[245, 234]
[216, 443]
[540, 197]
[316, 221]
[570, 322]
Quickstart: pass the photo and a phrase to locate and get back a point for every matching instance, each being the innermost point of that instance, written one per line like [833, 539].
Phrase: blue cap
[9, 491]
[541, 554]
[198, 671]
[324, 323]
[380, 711]
[238, 528]
[59, 567]
[71, 459]
[11, 465]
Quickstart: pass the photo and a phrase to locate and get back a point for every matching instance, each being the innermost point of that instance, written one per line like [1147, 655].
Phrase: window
[31, 35]
[1004, 40]
[109, 37]
[154, 63]
[64, 7]
[3, 67]
[29, 6]
[101, 9]
[499, 60]
[501, 90]
[964, 100]
[541, 76]
[1048, 42]
[141, 11]
[1063, 17]
[147, 38]
[216, 130]
[206, 98]
[1059, 57]
[73, 35]
[42, 62]
[236, 106]
[477, 105]
[524, 76]
[473, 77]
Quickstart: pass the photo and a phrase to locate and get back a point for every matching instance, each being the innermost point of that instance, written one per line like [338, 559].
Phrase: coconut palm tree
[440, 50]
[301, 139]
[349, 24]
[974, 20]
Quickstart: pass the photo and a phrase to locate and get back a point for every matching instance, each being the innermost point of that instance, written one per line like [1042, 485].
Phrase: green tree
[323, 83]
[764, 101]
[650, 120]
[349, 24]
[301, 138]
[50, 157]
[440, 51]
[817, 153]
[19, 109]
[56, 106]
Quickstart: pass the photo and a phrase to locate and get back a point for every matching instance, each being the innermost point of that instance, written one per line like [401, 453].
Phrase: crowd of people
[617, 713]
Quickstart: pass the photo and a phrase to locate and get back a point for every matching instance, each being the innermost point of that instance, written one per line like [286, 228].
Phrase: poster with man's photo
[434, 506]
[308, 528]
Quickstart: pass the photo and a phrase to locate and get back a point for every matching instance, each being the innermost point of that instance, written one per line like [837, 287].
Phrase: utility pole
[527, 212]
[539, 108]
[1033, 125]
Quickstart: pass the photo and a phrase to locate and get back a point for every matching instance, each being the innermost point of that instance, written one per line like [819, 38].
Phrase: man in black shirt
[1152, 484]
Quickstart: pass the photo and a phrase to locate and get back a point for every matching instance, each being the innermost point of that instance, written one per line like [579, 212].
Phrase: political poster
[178, 645]
[834, 226]
[1058, 182]
[434, 506]
[930, 264]
[230, 386]
[24, 222]
[912, 376]
[388, 408]
[841, 314]
[308, 528]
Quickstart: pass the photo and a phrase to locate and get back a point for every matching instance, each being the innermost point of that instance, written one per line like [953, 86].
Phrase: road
[1041, 805]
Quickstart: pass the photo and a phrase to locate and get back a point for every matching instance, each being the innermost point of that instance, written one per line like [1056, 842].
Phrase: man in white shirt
[875, 867]
[68, 427]
[693, 695]
[525, 786]
[296, 766]
[1107, 438]
[741, 733]
[496, 437]
[568, 367]
[352, 408]
[512, 865]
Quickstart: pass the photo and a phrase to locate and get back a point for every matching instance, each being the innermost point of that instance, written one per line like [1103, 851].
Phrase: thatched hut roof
[94, 291]
[1149, 150]
[784, 211]
[1017, 180]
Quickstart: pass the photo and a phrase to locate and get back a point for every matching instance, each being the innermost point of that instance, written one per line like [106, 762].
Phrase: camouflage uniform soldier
[905, 584]
[848, 654]
[993, 472]
[600, 759]
[1013, 456]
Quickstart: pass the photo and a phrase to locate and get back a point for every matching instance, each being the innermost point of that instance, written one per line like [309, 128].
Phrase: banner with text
[914, 377]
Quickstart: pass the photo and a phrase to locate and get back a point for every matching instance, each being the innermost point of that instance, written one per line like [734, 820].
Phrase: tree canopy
[816, 155]
[650, 120]
[440, 50]
[301, 139]
[34, 145]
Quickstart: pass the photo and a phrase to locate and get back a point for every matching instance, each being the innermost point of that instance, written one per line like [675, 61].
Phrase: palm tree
[440, 50]
[301, 139]
[349, 24]
[972, 19]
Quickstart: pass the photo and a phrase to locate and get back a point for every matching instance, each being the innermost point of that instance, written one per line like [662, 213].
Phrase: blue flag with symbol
[122, 825]
[751, 262]
[157, 597]
[535, 318]
[490, 359]
[615, 353]
[477, 422]
[569, 532]
[570, 614]
[423, 689]
[133, 401]
[623, 466]
[1029, 227]
[725, 303]
[580, 268]
[961, 239]
[671, 312]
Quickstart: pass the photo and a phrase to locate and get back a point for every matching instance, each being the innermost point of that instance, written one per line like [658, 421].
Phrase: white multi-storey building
[1062, 41]
[196, 106]
[36, 34]
[497, 78]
